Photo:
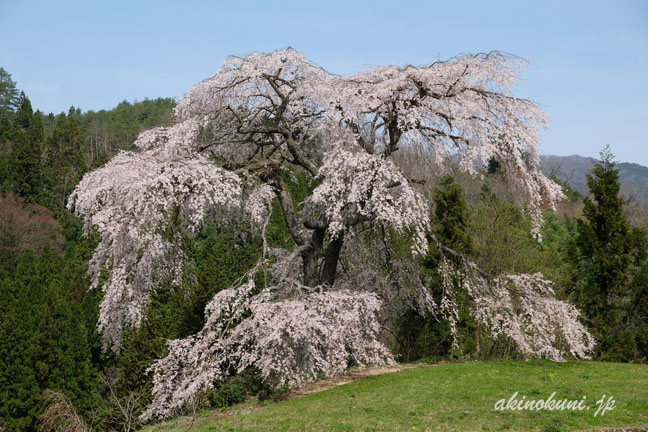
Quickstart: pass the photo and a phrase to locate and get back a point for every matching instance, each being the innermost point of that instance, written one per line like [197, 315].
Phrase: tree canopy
[9, 94]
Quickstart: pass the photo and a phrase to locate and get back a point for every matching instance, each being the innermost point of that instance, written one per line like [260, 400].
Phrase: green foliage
[603, 238]
[423, 336]
[65, 161]
[605, 255]
[9, 95]
[43, 157]
[450, 220]
[573, 196]
[47, 335]
[107, 132]
[235, 390]
[220, 259]
[639, 310]
[503, 243]
[25, 155]
[487, 232]
[494, 166]
[299, 188]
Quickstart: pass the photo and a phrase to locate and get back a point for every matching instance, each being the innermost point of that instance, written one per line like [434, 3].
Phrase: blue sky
[589, 59]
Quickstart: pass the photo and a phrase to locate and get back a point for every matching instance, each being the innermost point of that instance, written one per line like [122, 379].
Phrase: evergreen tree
[45, 342]
[639, 310]
[26, 151]
[6, 131]
[48, 337]
[19, 388]
[9, 96]
[65, 160]
[604, 250]
[24, 113]
[177, 312]
[493, 166]
[425, 336]
[450, 218]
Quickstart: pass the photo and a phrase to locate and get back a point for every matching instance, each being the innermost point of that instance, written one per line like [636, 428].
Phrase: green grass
[452, 397]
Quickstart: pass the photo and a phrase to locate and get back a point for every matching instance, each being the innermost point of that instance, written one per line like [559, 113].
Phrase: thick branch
[299, 157]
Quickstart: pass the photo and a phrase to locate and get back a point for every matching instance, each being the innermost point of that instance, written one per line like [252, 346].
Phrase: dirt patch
[349, 376]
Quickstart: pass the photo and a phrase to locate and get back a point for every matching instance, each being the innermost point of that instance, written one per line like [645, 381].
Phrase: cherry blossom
[268, 116]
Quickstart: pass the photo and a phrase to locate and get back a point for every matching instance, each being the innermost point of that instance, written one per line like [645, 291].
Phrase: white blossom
[520, 307]
[135, 202]
[358, 186]
[286, 341]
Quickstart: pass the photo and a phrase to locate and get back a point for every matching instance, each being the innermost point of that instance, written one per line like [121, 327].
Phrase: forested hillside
[573, 170]
[50, 342]
[48, 314]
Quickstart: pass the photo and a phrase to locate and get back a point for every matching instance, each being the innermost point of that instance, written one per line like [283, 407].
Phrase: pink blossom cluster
[286, 341]
[522, 308]
[135, 202]
[359, 186]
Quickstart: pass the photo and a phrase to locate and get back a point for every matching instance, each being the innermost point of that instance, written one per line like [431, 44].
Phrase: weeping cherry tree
[265, 117]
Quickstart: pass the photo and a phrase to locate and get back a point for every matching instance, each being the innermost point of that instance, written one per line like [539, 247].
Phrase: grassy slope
[454, 397]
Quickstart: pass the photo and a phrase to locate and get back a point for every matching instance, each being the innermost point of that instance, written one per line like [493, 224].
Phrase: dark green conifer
[26, 151]
[603, 254]
[9, 95]
[421, 336]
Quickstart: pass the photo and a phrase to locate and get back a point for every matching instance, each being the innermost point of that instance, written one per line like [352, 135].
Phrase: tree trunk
[331, 260]
[313, 246]
[310, 258]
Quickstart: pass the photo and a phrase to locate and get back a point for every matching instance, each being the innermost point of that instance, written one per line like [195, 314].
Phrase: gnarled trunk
[310, 258]
[331, 259]
[316, 272]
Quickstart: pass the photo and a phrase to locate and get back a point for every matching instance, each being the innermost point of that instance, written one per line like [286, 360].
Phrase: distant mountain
[572, 170]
